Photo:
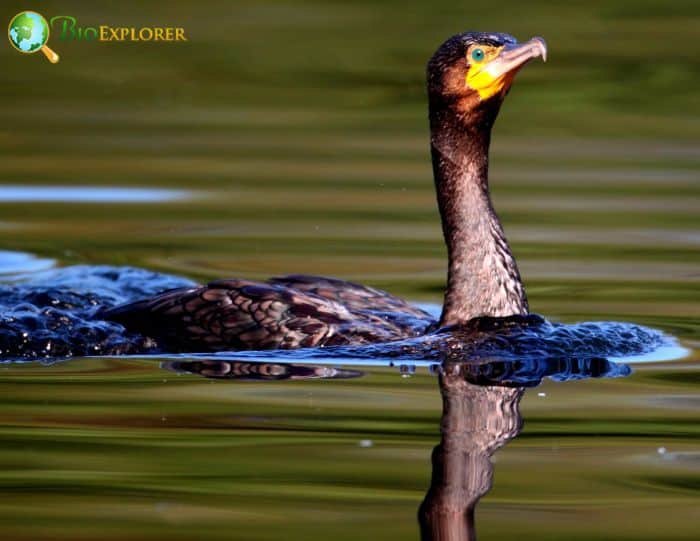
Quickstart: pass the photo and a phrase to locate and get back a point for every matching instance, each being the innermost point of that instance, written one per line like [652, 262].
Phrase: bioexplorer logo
[68, 29]
[29, 32]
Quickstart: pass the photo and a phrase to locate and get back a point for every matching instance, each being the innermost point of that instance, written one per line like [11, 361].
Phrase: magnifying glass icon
[29, 32]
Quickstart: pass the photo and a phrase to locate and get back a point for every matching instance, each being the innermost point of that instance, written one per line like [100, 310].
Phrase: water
[92, 445]
[303, 129]
[86, 194]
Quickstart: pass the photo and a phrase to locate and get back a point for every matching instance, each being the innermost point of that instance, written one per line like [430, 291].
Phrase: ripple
[13, 264]
[88, 194]
[671, 352]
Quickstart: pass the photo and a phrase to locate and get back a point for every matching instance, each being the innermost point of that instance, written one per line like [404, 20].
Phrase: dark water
[309, 444]
[277, 450]
[289, 137]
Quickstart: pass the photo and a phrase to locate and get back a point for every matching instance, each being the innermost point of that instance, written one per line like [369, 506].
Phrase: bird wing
[350, 294]
[239, 314]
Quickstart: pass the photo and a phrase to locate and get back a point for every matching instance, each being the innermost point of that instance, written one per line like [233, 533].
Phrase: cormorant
[468, 78]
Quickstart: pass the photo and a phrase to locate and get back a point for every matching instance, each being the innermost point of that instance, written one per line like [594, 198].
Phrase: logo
[68, 29]
[29, 32]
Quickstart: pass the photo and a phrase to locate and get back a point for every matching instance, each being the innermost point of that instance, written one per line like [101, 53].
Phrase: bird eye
[477, 55]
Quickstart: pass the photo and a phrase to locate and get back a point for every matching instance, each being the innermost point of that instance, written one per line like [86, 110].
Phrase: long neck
[476, 422]
[482, 278]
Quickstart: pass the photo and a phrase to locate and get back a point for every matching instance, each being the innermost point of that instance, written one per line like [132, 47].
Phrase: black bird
[468, 78]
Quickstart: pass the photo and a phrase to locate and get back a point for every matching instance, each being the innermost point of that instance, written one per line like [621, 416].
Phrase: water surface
[307, 125]
[86, 194]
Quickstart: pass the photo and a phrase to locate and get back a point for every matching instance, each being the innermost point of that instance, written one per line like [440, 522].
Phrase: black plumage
[309, 311]
[287, 312]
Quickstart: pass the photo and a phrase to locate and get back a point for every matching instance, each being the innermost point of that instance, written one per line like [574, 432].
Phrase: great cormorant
[468, 78]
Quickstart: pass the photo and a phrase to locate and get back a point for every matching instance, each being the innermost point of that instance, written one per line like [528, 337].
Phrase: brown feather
[288, 312]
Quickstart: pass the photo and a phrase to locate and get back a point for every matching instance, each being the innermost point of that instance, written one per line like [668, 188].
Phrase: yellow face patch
[481, 79]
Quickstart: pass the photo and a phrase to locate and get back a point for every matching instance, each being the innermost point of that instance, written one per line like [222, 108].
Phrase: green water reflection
[301, 130]
[104, 449]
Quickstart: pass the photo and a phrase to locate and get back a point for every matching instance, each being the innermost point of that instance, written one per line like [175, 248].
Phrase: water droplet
[407, 370]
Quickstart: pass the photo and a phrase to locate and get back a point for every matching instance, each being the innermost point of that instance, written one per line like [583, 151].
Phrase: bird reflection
[251, 371]
[476, 421]
[480, 414]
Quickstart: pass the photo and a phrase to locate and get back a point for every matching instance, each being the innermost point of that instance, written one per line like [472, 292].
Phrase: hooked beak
[495, 77]
[513, 57]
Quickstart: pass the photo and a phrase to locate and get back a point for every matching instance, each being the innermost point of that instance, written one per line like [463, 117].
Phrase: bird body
[282, 313]
[467, 80]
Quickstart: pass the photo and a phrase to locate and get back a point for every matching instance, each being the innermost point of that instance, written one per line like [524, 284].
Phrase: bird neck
[476, 422]
[482, 278]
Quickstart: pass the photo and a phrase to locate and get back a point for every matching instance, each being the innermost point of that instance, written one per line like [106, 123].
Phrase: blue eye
[477, 55]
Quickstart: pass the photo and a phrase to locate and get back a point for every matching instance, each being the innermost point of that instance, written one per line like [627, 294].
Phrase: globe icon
[29, 32]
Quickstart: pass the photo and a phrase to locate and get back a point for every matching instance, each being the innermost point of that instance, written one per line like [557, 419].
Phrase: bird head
[471, 73]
